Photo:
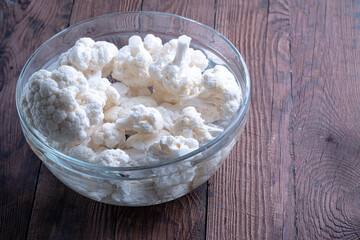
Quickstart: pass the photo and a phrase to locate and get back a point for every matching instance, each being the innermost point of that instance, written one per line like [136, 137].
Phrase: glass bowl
[149, 184]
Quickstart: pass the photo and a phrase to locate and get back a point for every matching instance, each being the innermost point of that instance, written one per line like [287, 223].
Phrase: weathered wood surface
[325, 56]
[294, 173]
[252, 194]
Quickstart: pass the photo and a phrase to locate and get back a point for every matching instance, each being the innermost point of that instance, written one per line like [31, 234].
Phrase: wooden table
[295, 171]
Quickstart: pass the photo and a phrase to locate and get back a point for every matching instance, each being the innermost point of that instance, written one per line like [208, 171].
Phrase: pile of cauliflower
[164, 102]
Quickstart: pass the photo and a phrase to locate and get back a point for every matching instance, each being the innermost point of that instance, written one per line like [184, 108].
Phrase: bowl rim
[241, 112]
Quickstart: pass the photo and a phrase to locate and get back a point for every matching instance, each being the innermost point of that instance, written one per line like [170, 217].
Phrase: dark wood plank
[183, 218]
[24, 26]
[326, 87]
[91, 8]
[252, 196]
[200, 10]
[58, 211]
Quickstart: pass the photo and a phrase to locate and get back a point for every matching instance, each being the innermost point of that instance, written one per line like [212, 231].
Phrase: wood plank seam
[292, 150]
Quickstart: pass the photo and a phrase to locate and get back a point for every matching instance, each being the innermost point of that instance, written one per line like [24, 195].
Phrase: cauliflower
[113, 158]
[143, 120]
[172, 147]
[92, 102]
[82, 152]
[193, 57]
[131, 65]
[57, 105]
[153, 45]
[175, 178]
[107, 135]
[219, 97]
[103, 85]
[169, 114]
[142, 142]
[90, 57]
[175, 80]
[191, 125]
[124, 110]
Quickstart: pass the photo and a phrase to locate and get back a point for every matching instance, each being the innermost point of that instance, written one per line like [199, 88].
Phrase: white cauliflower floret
[142, 142]
[143, 120]
[174, 178]
[50, 104]
[191, 125]
[169, 114]
[193, 57]
[138, 157]
[153, 45]
[143, 100]
[114, 113]
[107, 135]
[131, 65]
[93, 102]
[103, 85]
[124, 110]
[90, 57]
[220, 95]
[113, 158]
[127, 93]
[82, 152]
[173, 146]
[177, 79]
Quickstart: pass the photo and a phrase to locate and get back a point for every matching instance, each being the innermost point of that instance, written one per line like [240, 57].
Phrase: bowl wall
[148, 185]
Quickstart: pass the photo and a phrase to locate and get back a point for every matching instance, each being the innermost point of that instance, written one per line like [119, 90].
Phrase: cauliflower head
[177, 79]
[143, 120]
[52, 104]
[174, 146]
[153, 45]
[113, 158]
[131, 65]
[220, 96]
[107, 135]
[89, 56]
[191, 125]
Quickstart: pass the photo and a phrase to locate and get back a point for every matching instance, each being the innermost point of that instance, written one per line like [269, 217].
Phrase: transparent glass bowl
[150, 184]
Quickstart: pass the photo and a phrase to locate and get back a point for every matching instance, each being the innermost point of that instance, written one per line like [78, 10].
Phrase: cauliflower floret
[177, 79]
[107, 135]
[93, 102]
[153, 45]
[114, 113]
[175, 178]
[113, 158]
[138, 157]
[193, 57]
[143, 120]
[169, 114]
[220, 95]
[82, 152]
[191, 125]
[103, 85]
[131, 65]
[142, 142]
[90, 57]
[170, 146]
[51, 105]
[124, 110]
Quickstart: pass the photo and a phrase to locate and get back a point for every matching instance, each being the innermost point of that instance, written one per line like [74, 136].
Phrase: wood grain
[326, 88]
[294, 174]
[200, 10]
[23, 28]
[252, 195]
